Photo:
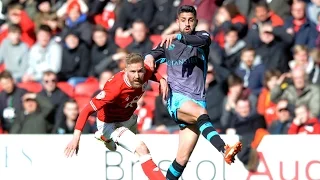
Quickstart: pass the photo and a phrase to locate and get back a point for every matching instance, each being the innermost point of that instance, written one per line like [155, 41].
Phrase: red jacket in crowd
[27, 27]
[312, 126]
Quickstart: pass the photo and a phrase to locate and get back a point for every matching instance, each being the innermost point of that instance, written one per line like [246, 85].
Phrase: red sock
[151, 170]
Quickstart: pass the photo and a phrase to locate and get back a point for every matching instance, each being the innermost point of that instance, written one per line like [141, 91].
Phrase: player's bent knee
[126, 139]
[142, 149]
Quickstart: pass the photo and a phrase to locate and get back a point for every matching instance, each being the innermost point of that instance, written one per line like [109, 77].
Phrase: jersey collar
[126, 80]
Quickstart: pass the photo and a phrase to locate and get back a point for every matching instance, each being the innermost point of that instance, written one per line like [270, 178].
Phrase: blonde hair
[133, 58]
[300, 48]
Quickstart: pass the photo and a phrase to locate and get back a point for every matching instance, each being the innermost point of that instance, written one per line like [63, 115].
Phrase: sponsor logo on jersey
[101, 95]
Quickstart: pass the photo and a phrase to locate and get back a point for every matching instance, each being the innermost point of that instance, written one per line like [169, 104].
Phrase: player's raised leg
[128, 140]
[188, 138]
[192, 113]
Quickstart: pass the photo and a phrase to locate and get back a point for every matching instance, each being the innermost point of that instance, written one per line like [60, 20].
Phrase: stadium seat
[156, 39]
[92, 79]
[86, 89]
[123, 42]
[34, 87]
[66, 88]
[82, 101]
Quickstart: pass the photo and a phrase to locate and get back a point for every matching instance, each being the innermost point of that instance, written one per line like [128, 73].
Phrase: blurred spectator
[14, 53]
[273, 47]
[232, 49]
[16, 15]
[141, 42]
[68, 122]
[243, 120]
[265, 106]
[77, 21]
[251, 70]
[263, 14]
[55, 25]
[216, 92]
[283, 121]
[229, 16]
[167, 9]
[33, 118]
[304, 123]
[43, 56]
[313, 11]
[29, 6]
[235, 91]
[250, 126]
[56, 96]
[102, 52]
[300, 27]
[301, 92]
[107, 17]
[301, 59]
[314, 75]
[132, 10]
[247, 7]
[44, 10]
[75, 60]
[216, 54]
[63, 11]
[10, 100]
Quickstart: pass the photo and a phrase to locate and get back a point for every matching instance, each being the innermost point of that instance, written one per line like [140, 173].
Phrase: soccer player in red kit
[115, 106]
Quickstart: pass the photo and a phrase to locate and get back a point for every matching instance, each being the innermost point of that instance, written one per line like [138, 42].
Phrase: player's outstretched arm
[199, 39]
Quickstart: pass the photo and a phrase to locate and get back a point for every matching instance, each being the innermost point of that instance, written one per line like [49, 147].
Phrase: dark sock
[175, 171]
[207, 130]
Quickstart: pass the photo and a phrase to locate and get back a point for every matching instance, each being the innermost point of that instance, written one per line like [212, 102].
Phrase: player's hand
[149, 61]
[168, 39]
[164, 89]
[72, 147]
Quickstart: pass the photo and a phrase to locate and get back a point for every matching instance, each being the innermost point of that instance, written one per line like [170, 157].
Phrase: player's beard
[136, 83]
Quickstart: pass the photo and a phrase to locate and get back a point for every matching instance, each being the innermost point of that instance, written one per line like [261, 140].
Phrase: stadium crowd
[263, 75]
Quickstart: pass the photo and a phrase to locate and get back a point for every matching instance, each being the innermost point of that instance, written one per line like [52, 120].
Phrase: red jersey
[117, 101]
